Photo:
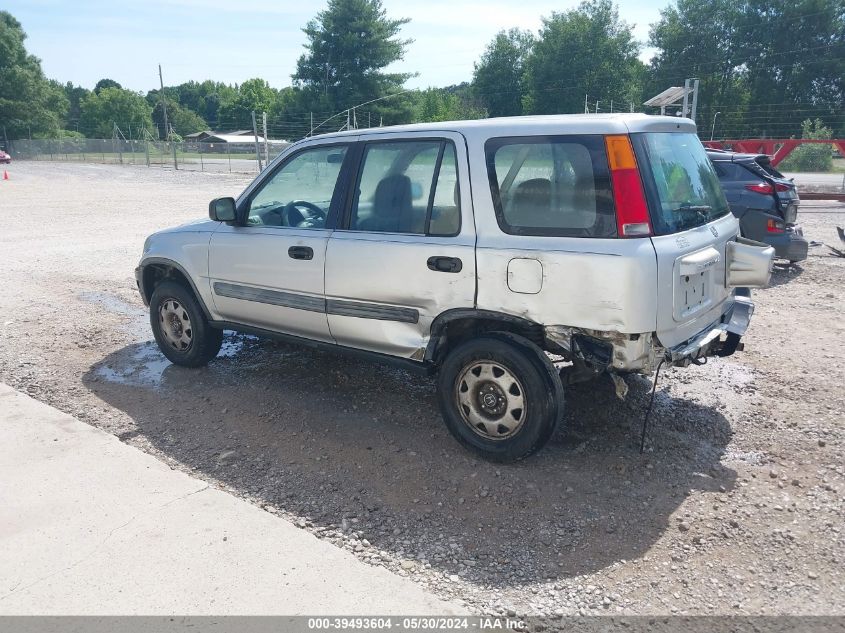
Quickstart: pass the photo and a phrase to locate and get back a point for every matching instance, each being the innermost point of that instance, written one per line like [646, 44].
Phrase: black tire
[199, 342]
[537, 386]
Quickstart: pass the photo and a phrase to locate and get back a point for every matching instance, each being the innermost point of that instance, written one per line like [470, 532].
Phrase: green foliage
[815, 157]
[763, 64]
[349, 45]
[61, 135]
[29, 103]
[253, 95]
[454, 103]
[181, 120]
[499, 75]
[587, 50]
[75, 95]
[106, 83]
[99, 112]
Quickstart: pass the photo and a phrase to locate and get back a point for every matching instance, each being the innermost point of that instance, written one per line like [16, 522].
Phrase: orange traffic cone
[5, 175]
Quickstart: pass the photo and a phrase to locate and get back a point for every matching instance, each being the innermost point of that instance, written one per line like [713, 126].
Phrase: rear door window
[407, 187]
[681, 183]
[551, 185]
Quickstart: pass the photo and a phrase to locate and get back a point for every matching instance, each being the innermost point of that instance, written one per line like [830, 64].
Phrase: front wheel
[180, 327]
[500, 396]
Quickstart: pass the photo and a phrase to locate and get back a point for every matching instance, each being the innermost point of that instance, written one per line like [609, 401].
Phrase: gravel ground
[735, 508]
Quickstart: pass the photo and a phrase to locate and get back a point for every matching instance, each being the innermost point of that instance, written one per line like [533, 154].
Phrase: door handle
[445, 264]
[301, 252]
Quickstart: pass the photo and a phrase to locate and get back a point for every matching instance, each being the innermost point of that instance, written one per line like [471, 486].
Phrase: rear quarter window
[551, 185]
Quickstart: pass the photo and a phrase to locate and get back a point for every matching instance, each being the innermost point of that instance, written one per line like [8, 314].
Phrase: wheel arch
[155, 270]
[452, 327]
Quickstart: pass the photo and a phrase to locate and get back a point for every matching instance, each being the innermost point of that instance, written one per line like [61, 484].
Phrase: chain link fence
[212, 157]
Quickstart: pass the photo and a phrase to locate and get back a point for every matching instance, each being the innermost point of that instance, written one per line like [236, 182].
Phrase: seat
[531, 203]
[392, 206]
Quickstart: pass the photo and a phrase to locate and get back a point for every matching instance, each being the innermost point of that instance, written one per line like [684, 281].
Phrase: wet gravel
[736, 506]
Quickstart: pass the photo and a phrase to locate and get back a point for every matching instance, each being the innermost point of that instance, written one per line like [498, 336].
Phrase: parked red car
[5, 158]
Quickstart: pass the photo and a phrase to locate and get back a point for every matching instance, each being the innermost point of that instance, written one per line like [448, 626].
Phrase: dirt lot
[736, 507]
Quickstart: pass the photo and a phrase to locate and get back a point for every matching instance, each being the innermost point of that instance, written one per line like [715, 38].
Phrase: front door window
[299, 194]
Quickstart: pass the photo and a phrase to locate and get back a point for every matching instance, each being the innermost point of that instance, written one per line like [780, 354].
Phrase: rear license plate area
[692, 294]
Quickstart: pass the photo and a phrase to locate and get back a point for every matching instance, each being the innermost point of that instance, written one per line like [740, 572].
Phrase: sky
[84, 41]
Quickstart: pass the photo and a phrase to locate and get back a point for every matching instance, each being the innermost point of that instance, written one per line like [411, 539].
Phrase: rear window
[551, 185]
[681, 184]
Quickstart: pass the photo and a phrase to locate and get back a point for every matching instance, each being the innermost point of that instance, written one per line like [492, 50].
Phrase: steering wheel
[290, 208]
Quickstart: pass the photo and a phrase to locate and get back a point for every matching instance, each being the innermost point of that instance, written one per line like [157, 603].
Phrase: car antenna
[650, 404]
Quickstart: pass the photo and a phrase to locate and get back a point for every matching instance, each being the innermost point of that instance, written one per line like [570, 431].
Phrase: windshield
[684, 191]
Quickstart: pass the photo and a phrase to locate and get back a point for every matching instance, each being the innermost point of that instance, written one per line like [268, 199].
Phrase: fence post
[199, 151]
[175, 162]
[229, 157]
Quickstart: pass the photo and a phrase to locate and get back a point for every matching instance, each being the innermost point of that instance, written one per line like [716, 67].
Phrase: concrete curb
[92, 526]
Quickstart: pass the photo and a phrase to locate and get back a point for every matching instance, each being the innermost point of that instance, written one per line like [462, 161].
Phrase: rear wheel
[500, 396]
[180, 327]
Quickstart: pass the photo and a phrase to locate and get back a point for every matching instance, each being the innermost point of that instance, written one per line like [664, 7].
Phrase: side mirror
[222, 210]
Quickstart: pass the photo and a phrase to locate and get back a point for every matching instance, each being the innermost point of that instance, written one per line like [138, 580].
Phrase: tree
[100, 112]
[453, 103]
[583, 51]
[182, 120]
[795, 60]
[29, 103]
[106, 83]
[811, 157]
[697, 38]
[499, 75]
[253, 95]
[349, 45]
[764, 65]
[75, 95]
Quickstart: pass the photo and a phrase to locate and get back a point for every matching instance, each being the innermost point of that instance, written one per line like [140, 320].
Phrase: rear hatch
[691, 225]
[781, 188]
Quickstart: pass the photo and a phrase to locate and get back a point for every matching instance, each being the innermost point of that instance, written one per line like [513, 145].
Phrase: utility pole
[611, 106]
[311, 131]
[257, 150]
[5, 139]
[163, 104]
[166, 124]
[586, 107]
[597, 106]
[266, 142]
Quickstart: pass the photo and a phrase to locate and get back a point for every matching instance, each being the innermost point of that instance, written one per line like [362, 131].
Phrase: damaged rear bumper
[710, 342]
[594, 351]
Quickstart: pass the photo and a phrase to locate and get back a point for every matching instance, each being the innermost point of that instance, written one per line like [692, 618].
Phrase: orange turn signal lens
[620, 154]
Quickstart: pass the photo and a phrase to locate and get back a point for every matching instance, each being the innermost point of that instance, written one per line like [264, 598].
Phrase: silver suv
[479, 250]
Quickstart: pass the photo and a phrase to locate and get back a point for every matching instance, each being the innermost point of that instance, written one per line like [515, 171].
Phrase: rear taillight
[767, 189]
[773, 226]
[632, 218]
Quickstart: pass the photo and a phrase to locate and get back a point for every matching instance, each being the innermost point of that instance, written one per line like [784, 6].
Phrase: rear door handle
[301, 252]
[445, 264]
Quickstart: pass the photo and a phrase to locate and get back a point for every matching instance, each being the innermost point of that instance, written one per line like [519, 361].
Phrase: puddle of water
[234, 343]
[145, 367]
